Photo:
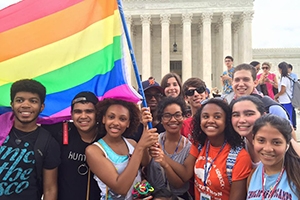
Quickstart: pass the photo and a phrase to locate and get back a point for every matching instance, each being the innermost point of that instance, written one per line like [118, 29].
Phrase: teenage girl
[277, 176]
[214, 139]
[114, 159]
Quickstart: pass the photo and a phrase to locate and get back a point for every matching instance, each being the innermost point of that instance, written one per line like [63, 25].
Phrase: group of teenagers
[233, 147]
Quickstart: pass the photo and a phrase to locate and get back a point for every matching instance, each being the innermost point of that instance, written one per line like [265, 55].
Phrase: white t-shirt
[285, 98]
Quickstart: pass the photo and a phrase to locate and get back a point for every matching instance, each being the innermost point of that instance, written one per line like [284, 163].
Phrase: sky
[276, 24]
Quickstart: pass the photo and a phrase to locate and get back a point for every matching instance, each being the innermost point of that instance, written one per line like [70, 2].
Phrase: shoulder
[131, 141]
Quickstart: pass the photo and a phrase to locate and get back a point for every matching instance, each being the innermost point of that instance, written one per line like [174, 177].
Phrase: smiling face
[195, 100]
[84, 117]
[172, 88]
[172, 118]
[244, 114]
[213, 122]
[243, 83]
[270, 145]
[116, 120]
[26, 107]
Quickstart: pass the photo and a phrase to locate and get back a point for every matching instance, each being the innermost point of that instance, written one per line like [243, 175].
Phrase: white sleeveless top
[120, 162]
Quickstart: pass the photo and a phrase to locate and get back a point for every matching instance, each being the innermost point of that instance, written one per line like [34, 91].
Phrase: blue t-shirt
[227, 88]
[282, 191]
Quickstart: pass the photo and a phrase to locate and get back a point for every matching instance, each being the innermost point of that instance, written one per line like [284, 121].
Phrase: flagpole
[135, 67]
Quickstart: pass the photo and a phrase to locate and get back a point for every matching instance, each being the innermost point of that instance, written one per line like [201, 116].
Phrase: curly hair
[28, 85]
[134, 112]
[231, 136]
[168, 101]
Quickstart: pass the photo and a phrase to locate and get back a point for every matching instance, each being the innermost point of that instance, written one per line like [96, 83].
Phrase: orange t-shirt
[218, 186]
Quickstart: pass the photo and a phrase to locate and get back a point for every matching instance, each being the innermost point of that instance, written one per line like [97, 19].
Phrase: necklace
[18, 139]
[272, 188]
[176, 148]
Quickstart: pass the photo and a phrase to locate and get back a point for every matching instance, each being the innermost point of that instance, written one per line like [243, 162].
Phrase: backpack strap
[40, 151]
[231, 159]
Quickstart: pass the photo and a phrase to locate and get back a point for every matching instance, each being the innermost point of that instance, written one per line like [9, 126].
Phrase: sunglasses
[191, 92]
[265, 68]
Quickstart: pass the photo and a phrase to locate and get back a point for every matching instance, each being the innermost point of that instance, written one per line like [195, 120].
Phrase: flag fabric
[69, 46]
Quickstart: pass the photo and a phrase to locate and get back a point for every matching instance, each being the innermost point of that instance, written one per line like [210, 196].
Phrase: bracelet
[142, 189]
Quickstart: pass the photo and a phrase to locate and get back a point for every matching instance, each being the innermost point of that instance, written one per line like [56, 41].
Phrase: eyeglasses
[192, 91]
[156, 96]
[265, 68]
[168, 116]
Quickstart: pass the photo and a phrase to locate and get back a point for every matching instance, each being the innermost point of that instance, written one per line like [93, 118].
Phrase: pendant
[18, 141]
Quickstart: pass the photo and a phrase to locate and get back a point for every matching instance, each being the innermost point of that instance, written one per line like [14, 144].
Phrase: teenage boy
[75, 180]
[28, 166]
[226, 77]
[194, 90]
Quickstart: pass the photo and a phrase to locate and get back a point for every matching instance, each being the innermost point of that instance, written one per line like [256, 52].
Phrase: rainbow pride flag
[69, 46]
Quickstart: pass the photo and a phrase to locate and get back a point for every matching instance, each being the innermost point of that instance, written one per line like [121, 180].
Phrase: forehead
[269, 132]
[212, 108]
[118, 109]
[83, 106]
[172, 80]
[172, 107]
[27, 95]
[243, 74]
[244, 105]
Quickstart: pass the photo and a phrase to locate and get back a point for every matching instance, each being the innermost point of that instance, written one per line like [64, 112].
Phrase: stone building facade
[189, 37]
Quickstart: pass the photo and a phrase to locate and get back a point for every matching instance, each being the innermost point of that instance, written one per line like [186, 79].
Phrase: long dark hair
[232, 137]
[284, 68]
[291, 158]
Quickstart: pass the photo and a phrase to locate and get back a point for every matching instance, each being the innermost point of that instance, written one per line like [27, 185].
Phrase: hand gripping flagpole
[135, 67]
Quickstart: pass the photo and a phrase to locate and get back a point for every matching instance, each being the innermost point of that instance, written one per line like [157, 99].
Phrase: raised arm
[106, 171]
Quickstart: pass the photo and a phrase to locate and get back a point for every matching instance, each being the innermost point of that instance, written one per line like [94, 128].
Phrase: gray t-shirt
[155, 173]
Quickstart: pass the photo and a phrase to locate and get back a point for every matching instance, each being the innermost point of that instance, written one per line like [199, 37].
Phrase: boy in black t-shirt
[19, 173]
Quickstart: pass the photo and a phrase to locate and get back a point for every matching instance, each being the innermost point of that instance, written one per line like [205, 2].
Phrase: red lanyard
[274, 187]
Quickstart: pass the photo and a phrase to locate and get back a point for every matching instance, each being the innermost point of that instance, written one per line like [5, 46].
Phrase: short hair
[229, 57]
[28, 85]
[255, 100]
[283, 66]
[290, 66]
[246, 67]
[164, 82]
[254, 63]
[193, 82]
[134, 115]
[199, 136]
[168, 101]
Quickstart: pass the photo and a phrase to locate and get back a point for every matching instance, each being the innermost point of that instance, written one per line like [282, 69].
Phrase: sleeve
[52, 159]
[242, 166]
[284, 81]
[279, 111]
[258, 76]
[194, 151]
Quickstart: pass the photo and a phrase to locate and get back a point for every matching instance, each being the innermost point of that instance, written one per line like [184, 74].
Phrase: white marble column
[128, 61]
[186, 46]
[207, 71]
[235, 32]
[165, 43]
[247, 25]
[146, 46]
[227, 44]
